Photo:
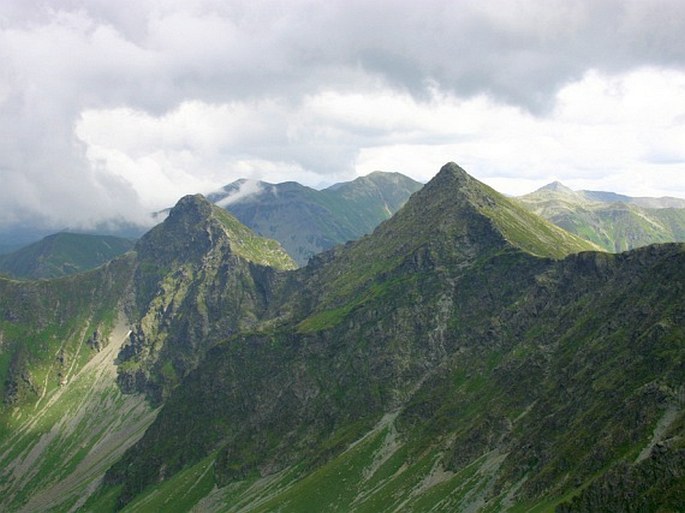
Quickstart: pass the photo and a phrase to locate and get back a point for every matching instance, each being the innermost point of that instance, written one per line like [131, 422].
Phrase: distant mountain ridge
[613, 221]
[640, 201]
[613, 197]
[307, 221]
[62, 254]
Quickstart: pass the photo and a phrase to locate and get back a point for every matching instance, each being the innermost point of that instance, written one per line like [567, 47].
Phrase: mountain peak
[192, 206]
[195, 227]
[453, 222]
[453, 185]
[452, 173]
[454, 198]
[557, 186]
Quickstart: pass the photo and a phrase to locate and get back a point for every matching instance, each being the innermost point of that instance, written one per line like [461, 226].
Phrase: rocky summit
[465, 356]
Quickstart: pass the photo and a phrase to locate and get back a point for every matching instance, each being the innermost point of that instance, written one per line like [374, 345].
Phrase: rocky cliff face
[200, 277]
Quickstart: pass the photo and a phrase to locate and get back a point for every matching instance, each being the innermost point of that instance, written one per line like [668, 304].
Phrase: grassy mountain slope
[59, 449]
[49, 329]
[612, 221]
[463, 357]
[62, 418]
[62, 254]
[454, 222]
[306, 221]
[371, 199]
[17, 237]
[458, 371]
[68, 347]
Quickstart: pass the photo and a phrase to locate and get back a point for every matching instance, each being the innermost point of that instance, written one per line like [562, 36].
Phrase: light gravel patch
[98, 423]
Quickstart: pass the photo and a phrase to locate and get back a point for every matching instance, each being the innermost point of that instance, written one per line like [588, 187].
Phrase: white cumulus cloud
[111, 109]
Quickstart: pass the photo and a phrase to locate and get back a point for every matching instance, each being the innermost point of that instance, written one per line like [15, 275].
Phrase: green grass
[63, 443]
[532, 233]
[375, 291]
[62, 254]
[324, 320]
[250, 246]
[330, 488]
[178, 494]
[613, 226]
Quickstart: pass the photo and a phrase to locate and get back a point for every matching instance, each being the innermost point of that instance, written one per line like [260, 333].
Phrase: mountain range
[613, 221]
[465, 356]
[63, 253]
[307, 221]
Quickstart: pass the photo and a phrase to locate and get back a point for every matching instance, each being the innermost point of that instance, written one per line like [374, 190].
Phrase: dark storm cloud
[520, 52]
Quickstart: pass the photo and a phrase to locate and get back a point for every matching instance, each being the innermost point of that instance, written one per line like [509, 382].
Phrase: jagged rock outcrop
[19, 384]
[200, 277]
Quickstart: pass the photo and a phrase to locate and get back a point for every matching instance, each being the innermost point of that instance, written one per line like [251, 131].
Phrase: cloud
[110, 109]
[244, 189]
[601, 126]
[612, 132]
[44, 173]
